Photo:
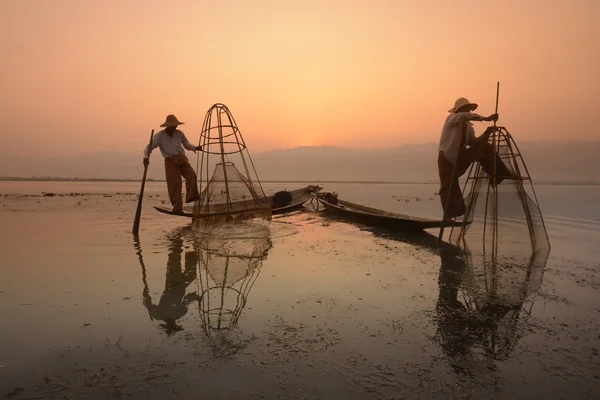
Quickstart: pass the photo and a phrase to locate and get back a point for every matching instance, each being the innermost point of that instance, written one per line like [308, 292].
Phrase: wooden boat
[297, 200]
[375, 217]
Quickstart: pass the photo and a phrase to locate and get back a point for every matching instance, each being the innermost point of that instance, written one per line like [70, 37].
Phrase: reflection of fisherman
[173, 301]
[460, 328]
[453, 320]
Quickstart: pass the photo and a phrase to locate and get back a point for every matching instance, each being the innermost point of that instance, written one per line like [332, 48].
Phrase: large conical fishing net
[229, 186]
[503, 222]
[230, 261]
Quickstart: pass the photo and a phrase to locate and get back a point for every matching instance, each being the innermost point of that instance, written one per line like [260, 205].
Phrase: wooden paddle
[138, 212]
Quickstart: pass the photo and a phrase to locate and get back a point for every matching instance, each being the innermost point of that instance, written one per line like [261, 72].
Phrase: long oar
[138, 212]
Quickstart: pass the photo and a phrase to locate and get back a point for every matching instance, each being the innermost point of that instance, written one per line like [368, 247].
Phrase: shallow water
[305, 306]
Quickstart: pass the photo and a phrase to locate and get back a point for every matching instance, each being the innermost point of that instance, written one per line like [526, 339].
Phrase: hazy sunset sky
[84, 75]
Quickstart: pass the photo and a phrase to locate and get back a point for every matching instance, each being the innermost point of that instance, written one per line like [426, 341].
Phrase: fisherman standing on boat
[172, 142]
[458, 149]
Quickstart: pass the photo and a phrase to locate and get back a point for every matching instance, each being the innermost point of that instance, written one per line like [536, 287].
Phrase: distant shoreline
[58, 179]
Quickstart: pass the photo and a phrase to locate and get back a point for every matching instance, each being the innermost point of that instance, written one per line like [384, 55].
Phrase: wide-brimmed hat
[461, 102]
[171, 121]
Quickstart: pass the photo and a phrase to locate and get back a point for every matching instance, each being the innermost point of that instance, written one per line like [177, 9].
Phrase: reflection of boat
[483, 306]
[376, 217]
[419, 238]
[281, 202]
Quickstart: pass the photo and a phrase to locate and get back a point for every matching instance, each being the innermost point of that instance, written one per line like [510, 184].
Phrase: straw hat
[171, 121]
[462, 102]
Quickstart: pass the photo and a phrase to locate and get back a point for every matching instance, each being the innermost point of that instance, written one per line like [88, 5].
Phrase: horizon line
[420, 182]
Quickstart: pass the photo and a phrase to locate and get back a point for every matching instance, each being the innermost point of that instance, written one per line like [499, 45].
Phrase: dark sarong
[450, 193]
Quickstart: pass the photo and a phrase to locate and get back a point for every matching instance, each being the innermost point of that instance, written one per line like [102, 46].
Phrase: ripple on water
[115, 238]
[254, 229]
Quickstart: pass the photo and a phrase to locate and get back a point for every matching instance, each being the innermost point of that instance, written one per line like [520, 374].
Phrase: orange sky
[82, 76]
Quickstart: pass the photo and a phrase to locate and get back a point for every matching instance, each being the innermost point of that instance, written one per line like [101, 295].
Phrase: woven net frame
[505, 215]
[233, 191]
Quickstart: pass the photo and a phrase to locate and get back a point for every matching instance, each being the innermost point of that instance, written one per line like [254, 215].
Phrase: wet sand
[305, 307]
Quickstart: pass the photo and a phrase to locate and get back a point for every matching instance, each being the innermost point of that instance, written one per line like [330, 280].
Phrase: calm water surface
[567, 201]
[303, 307]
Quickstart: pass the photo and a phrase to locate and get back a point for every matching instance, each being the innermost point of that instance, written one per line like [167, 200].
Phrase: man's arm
[469, 116]
[187, 145]
[148, 149]
[493, 117]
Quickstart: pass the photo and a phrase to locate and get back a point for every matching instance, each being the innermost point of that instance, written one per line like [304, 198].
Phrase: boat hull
[299, 197]
[375, 217]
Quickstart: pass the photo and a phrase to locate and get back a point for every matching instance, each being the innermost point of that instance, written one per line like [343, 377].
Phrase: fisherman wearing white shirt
[454, 157]
[172, 142]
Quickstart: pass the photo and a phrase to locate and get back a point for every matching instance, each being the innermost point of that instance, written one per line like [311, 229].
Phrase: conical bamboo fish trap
[503, 221]
[230, 189]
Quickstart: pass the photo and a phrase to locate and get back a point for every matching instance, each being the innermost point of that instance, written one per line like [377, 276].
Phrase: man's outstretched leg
[191, 184]
[484, 152]
[173, 177]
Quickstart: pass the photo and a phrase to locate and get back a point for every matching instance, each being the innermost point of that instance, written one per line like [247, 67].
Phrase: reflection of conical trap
[229, 267]
[484, 307]
[233, 191]
[502, 207]
[503, 296]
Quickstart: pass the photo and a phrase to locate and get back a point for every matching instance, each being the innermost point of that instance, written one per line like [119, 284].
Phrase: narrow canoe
[376, 217]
